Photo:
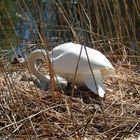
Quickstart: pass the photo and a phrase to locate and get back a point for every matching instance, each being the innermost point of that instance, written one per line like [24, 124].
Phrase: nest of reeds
[112, 27]
[27, 112]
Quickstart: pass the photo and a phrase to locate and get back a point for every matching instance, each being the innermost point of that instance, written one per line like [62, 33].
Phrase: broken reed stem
[76, 69]
[102, 106]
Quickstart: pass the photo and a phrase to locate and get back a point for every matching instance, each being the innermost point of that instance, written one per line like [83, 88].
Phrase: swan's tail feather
[90, 83]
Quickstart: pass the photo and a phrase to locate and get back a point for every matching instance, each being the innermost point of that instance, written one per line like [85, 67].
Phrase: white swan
[65, 58]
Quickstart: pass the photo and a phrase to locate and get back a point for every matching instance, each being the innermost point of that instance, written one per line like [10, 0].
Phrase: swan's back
[65, 57]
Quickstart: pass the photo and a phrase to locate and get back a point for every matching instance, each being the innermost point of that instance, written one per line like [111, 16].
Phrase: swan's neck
[34, 70]
[38, 75]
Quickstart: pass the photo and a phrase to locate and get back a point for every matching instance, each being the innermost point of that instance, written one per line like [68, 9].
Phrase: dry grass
[28, 112]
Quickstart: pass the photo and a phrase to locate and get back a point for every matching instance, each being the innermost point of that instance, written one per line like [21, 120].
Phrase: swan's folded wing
[90, 83]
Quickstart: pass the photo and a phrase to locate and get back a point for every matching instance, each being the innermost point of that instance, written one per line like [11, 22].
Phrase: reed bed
[30, 113]
[27, 112]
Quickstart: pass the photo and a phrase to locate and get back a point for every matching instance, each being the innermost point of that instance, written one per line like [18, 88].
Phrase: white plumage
[65, 59]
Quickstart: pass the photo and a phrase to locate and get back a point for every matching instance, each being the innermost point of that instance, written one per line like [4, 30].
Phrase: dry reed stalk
[28, 112]
[122, 111]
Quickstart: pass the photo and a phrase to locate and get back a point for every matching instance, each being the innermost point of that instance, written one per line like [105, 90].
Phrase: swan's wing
[90, 83]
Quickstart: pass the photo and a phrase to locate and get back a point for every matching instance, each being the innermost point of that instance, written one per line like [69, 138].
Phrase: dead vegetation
[27, 112]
